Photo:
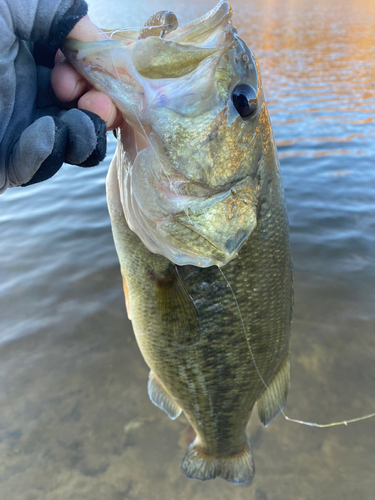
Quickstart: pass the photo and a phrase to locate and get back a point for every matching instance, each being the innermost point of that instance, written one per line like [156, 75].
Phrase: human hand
[40, 130]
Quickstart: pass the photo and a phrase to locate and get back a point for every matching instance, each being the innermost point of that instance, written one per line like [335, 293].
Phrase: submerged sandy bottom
[77, 423]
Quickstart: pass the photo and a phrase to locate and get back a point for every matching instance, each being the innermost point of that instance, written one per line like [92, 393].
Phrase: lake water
[76, 422]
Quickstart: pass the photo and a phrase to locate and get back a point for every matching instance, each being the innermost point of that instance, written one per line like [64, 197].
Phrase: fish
[200, 227]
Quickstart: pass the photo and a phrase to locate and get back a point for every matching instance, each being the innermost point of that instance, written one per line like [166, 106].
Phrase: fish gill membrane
[194, 187]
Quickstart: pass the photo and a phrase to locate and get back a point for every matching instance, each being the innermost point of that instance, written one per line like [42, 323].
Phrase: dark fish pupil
[245, 100]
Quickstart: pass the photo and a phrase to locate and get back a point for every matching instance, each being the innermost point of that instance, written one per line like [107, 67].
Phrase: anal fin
[273, 399]
[161, 398]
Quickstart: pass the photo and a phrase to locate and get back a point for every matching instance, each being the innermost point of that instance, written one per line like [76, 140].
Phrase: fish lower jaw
[201, 232]
[185, 244]
[177, 237]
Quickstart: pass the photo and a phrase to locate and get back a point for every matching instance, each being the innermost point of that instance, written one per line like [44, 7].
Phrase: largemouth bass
[200, 227]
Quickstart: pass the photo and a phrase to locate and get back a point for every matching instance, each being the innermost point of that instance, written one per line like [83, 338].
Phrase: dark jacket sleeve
[29, 135]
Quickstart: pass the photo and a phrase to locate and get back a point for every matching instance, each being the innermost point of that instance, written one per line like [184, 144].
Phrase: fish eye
[244, 99]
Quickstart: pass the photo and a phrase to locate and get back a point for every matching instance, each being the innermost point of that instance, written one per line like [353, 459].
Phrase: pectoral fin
[161, 398]
[273, 399]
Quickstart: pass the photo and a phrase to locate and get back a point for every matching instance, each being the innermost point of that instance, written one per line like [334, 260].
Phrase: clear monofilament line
[136, 28]
[289, 419]
[244, 330]
[332, 424]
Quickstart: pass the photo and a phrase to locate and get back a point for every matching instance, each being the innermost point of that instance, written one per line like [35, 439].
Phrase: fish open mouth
[204, 25]
[192, 214]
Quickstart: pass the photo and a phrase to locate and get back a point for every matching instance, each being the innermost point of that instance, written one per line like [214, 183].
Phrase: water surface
[76, 422]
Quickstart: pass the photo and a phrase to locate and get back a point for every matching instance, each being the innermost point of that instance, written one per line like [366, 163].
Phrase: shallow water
[76, 422]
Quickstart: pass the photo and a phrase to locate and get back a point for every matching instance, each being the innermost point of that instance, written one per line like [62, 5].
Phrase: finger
[86, 31]
[59, 55]
[101, 104]
[67, 84]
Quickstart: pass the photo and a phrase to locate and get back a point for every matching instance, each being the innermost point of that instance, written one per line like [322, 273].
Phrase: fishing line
[289, 419]
[244, 329]
[332, 424]
[138, 28]
[110, 32]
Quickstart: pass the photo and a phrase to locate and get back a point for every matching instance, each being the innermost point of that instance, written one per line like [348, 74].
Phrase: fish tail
[238, 468]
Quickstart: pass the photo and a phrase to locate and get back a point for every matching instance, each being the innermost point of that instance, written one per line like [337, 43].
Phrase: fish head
[200, 130]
